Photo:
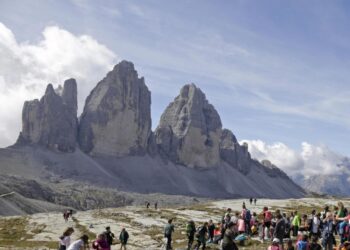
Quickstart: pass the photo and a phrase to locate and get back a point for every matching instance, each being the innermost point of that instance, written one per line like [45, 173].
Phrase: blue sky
[277, 71]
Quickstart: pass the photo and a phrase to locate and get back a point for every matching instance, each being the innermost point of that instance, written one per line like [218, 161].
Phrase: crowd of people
[296, 230]
[292, 231]
[103, 241]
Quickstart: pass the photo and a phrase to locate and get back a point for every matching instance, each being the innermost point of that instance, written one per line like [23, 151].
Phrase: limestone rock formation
[190, 129]
[233, 153]
[116, 120]
[52, 121]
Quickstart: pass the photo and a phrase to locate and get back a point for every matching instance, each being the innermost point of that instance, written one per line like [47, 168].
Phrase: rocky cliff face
[190, 129]
[233, 153]
[116, 119]
[52, 121]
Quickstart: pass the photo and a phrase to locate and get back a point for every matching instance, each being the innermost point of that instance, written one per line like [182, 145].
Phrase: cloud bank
[26, 68]
[310, 160]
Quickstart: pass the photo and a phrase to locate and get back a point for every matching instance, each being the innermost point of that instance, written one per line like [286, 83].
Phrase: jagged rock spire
[117, 114]
[52, 121]
[189, 130]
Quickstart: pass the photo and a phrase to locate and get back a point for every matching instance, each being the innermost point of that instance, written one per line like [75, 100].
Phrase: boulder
[116, 120]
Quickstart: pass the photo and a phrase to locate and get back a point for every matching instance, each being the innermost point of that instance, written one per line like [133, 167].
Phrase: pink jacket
[241, 225]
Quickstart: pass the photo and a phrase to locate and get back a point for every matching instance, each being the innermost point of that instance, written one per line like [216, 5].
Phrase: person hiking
[296, 223]
[267, 215]
[211, 228]
[255, 201]
[201, 236]
[246, 216]
[101, 243]
[147, 205]
[250, 200]
[304, 224]
[226, 218]
[275, 245]
[66, 216]
[156, 205]
[327, 232]
[190, 231]
[303, 243]
[168, 231]
[123, 238]
[315, 226]
[80, 244]
[229, 235]
[109, 236]
[280, 230]
[314, 243]
[64, 240]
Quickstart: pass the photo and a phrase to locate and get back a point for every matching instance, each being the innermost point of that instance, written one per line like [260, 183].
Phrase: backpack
[302, 245]
[268, 216]
[200, 232]
[247, 215]
[109, 237]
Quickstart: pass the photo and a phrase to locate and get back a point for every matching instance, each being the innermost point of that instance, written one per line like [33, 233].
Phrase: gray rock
[52, 121]
[190, 129]
[116, 120]
[233, 153]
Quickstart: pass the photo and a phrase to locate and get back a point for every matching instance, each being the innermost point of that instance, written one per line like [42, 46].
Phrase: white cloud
[310, 160]
[26, 68]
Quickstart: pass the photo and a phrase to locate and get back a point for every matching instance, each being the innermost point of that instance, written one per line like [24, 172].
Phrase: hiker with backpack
[327, 232]
[168, 231]
[303, 243]
[201, 235]
[190, 231]
[123, 238]
[280, 230]
[109, 236]
[64, 240]
[228, 242]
